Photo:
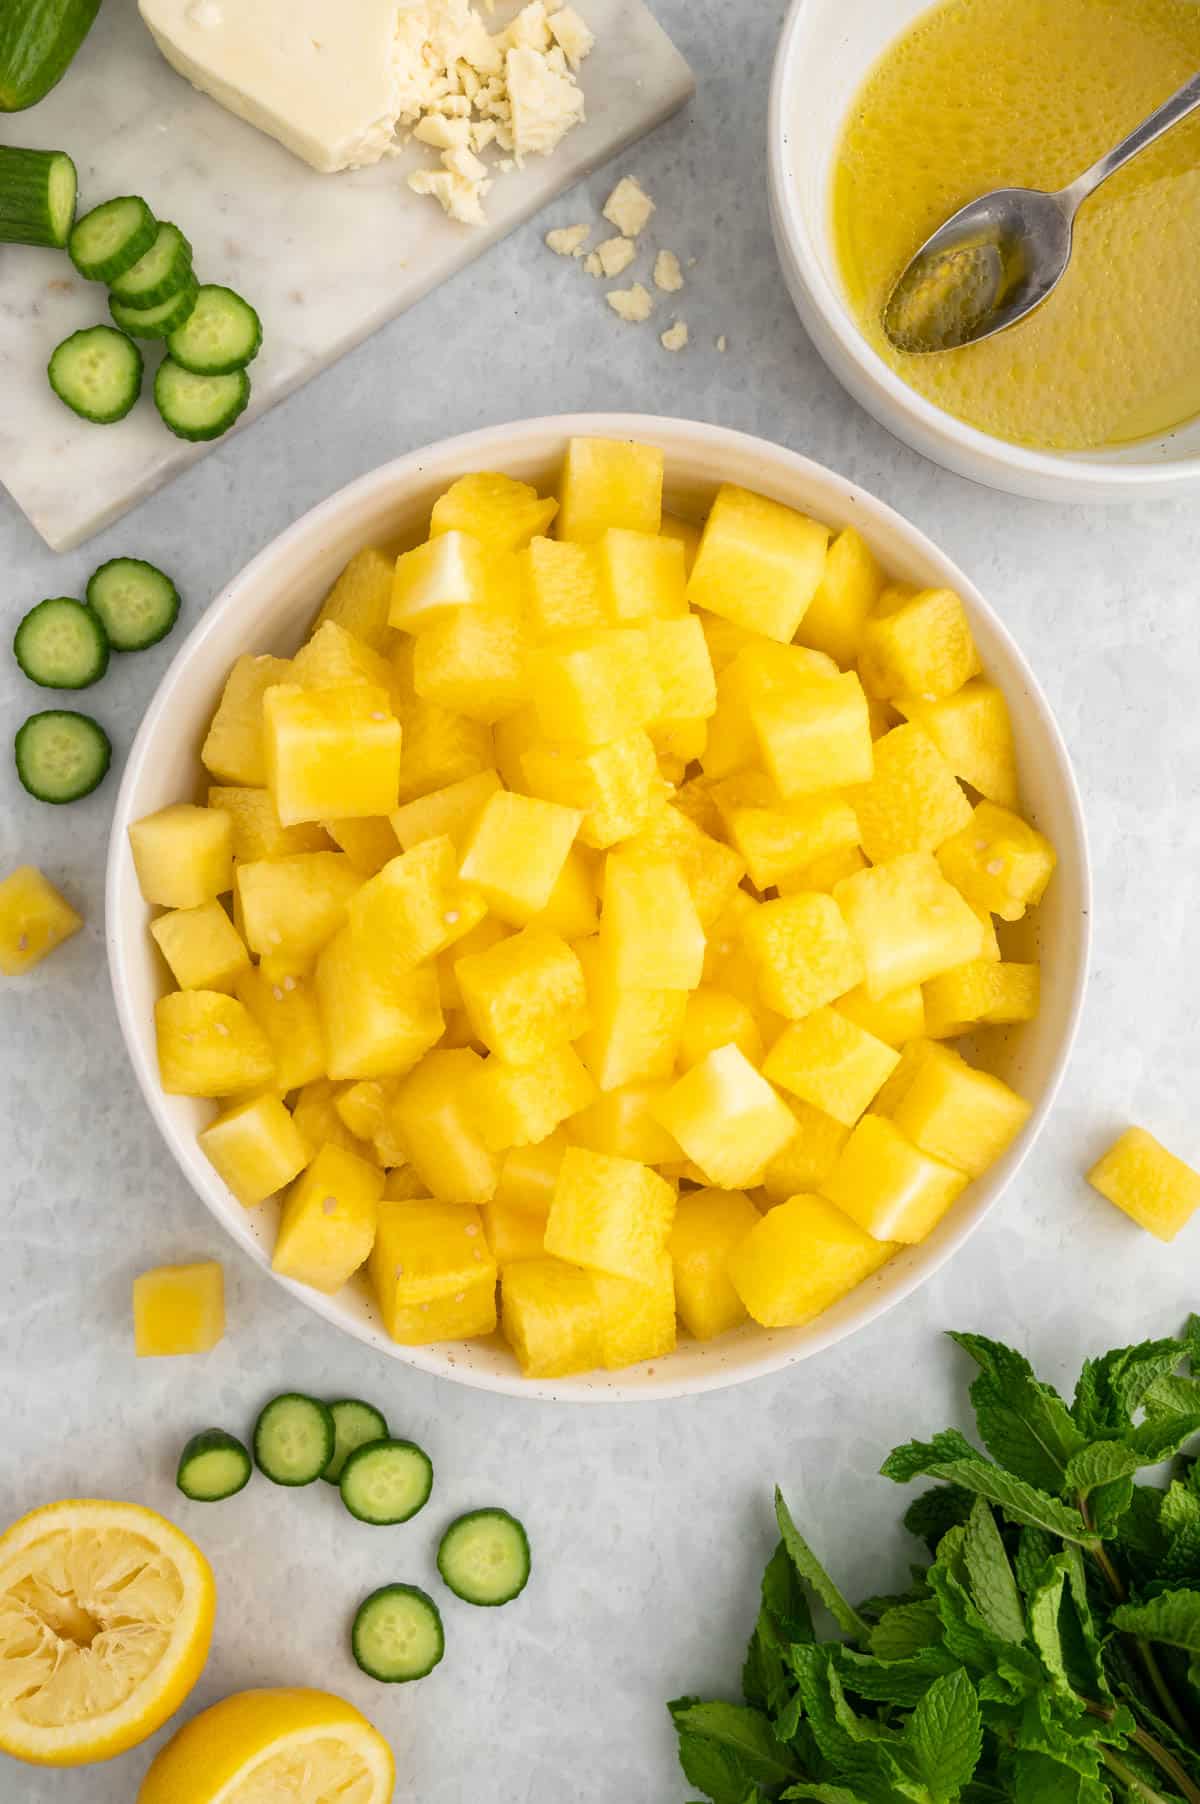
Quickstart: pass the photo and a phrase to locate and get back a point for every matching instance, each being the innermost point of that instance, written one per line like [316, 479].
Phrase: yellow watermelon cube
[513, 1235]
[816, 739]
[209, 1045]
[256, 1148]
[327, 1223]
[593, 687]
[331, 753]
[258, 831]
[609, 1215]
[606, 483]
[677, 743]
[893, 1190]
[963, 1117]
[234, 750]
[573, 909]
[894, 1019]
[201, 945]
[800, 1259]
[317, 1120]
[466, 1314]
[487, 933]
[637, 1321]
[524, 995]
[679, 655]
[999, 862]
[850, 586]
[615, 787]
[711, 869]
[561, 588]
[183, 855]
[511, 739]
[448, 572]
[621, 1122]
[708, 1225]
[334, 659]
[369, 843]
[402, 1185]
[908, 923]
[809, 1156]
[776, 838]
[366, 1109]
[917, 644]
[474, 662]
[178, 1309]
[292, 906]
[759, 563]
[632, 1034]
[440, 748]
[761, 673]
[435, 1113]
[1154, 1188]
[727, 1118]
[973, 732]
[912, 1058]
[502, 513]
[913, 802]
[415, 906]
[452, 811]
[550, 1317]
[376, 1021]
[830, 1062]
[802, 952]
[823, 872]
[34, 919]
[528, 1175]
[517, 1104]
[650, 933]
[361, 597]
[683, 532]
[515, 853]
[432, 1273]
[982, 993]
[642, 576]
[715, 1018]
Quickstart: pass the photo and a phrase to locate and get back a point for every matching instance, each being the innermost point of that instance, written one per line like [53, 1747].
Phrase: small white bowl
[269, 608]
[827, 49]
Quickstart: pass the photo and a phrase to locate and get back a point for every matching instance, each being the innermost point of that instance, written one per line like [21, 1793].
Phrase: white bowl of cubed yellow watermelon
[599, 907]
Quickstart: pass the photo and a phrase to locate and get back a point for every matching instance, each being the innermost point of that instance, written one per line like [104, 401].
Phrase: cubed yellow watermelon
[331, 753]
[800, 1259]
[209, 1045]
[432, 1273]
[435, 1111]
[201, 945]
[893, 1190]
[913, 802]
[708, 1225]
[562, 588]
[809, 1156]
[178, 1309]
[34, 919]
[573, 909]
[642, 575]
[973, 732]
[776, 838]
[609, 1215]
[823, 872]
[440, 748]
[258, 831]
[518, 1104]
[631, 1034]
[593, 687]
[528, 1175]
[621, 1122]
[1154, 1188]
[550, 1317]
[448, 572]
[183, 855]
[287, 1013]
[816, 739]
[650, 933]
[452, 811]
[909, 924]
[376, 1022]
[850, 586]
[366, 1109]
[369, 843]
[415, 907]
[712, 870]
[982, 993]
[512, 1234]
[327, 1223]
[360, 598]
[894, 1019]
[606, 483]
[501, 512]
[715, 1018]
[917, 644]
[291, 907]
[256, 1148]
[234, 750]
[681, 661]
[998, 862]
[474, 662]
[637, 1321]
[802, 952]
[962, 1116]
[334, 658]
[829, 1061]
[524, 995]
[615, 787]
[727, 1118]
[759, 563]
[317, 1120]
[515, 853]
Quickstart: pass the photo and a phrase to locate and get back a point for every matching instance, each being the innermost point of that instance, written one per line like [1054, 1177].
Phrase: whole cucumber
[38, 39]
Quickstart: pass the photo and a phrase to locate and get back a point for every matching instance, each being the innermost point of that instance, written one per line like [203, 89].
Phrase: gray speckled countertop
[649, 1524]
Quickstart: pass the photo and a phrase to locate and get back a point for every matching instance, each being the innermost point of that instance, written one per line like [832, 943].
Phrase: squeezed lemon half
[106, 1613]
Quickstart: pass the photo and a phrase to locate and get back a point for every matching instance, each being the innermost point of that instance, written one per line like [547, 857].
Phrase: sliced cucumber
[61, 755]
[61, 644]
[222, 334]
[354, 1424]
[110, 239]
[293, 1439]
[37, 43]
[386, 1482]
[397, 1634]
[97, 373]
[199, 407]
[156, 322]
[37, 196]
[159, 273]
[484, 1557]
[214, 1465]
[136, 603]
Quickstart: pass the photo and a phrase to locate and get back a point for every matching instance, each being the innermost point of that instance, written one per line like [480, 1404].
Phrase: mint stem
[1130, 1779]
[1150, 1666]
[1153, 1749]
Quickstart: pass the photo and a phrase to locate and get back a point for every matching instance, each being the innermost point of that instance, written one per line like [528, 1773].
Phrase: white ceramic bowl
[827, 48]
[269, 607]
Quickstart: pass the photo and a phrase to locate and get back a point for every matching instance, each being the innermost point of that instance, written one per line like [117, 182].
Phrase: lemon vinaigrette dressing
[981, 94]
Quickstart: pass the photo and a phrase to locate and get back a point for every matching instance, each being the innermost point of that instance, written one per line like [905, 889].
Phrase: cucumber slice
[199, 407]
[222, 334]
[214, 1465]
[156, 322]
[386, 1481]
[61, 644]
[161, 272]
[354, 1424]
[61, 755]
[397, 1634]
[97, 373]
[484, 1557]
[293, 1439]
[37, 196]
[110, 239]
[137, 604]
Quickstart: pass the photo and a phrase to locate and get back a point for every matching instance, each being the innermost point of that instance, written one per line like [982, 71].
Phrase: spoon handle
[1181, 103]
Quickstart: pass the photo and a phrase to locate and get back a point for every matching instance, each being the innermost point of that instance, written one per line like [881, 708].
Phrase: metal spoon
[999, 257]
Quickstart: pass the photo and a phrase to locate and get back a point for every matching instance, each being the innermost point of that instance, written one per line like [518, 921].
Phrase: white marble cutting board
[326, 259]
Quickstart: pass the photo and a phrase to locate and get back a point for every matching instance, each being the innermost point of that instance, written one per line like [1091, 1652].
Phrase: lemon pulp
[981, 94]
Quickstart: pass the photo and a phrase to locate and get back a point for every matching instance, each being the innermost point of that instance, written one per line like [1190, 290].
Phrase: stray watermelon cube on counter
[178, 1309]
[34, 919]
[1154, 1188]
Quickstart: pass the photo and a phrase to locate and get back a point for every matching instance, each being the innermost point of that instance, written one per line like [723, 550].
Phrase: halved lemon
[273, 1747]
[106, 1613]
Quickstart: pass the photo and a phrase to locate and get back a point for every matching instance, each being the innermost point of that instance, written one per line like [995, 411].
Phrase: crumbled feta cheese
[667, 274]
[483, 133]
[530, 30]
[633, 305]
[628, 207]
[572, 35]
[722, 343]
[611, 258]
[545, 103]
[462, 200]
[675, 337]
[442, 132]
[568, 241]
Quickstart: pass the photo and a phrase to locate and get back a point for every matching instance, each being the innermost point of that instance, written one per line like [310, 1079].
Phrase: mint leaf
[1020, 1502]
[814, 1574]
[824, 1794]
[1111, 1389]
[906, 1629]
[1173, 1617]
[728, 1750]
[915, 1457]
[1159, 1438]
[1191, 1340]
[1173, 1397]
[1044, 1605]
[861, 1753]
[1179, 1520]
[933, 1512]
[1099, 1463]
[901, 1682]
[783, 1596]
[990, 1576]
[1024, 1424]
[1033, 1550]
[1036, 1779]
[944, 1735]
[1006, 1672]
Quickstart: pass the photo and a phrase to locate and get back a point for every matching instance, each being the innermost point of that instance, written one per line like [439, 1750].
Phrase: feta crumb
[667, 274]
[630, 304]
[613, 256]
[722, 343]
[461, 200]
[675, 337]
[545, 104]
[593, 265]
[530, 30]
[571, 35]
[628, 207]
[442, 132]
[483, 133]
[568, 241]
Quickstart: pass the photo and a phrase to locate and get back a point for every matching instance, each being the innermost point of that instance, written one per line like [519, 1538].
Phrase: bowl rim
[1043, 475]
[466, 450]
